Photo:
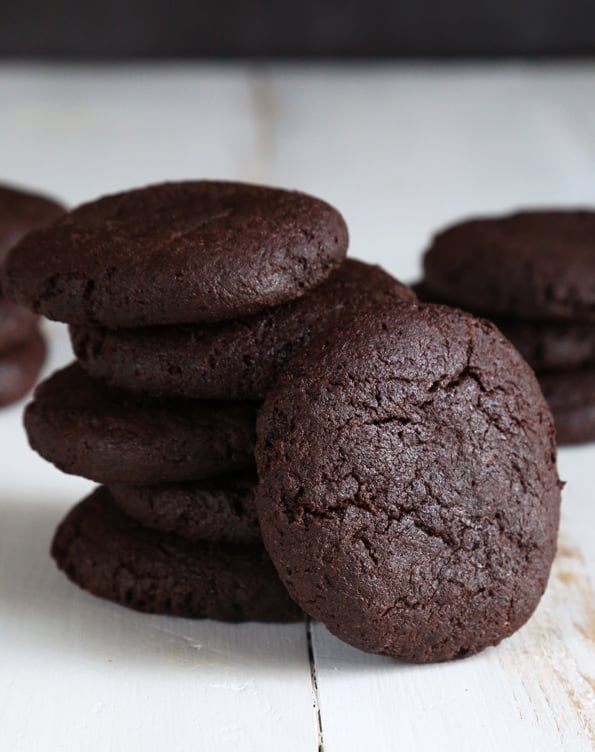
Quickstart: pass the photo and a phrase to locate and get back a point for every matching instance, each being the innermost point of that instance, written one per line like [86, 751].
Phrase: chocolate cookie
[20, 213]
[113, 557]
[237, 359]
[552, 345]
[571, 397]
[545, 345]
[408, 489]
[17, 325]
[178, 252]
[534, 264]
[87, 428]
[19, 369]
[217, 510]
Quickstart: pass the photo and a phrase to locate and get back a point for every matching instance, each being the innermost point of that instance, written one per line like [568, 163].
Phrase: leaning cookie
[408, 492]
[237, 359]
[178, 252]
[19, 369]
[87, 428]
[113, 557]
[218, 510]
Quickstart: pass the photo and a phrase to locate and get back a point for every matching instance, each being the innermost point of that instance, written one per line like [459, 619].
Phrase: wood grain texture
[400, 151]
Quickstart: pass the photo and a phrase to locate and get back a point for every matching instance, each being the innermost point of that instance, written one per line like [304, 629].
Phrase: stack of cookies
[533, 274]
[243, 392]
[22, 348]
[214, 284]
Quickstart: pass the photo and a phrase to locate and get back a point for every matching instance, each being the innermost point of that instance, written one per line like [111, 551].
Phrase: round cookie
[545, 345]
[534, 264]
[218, 510]
[408, 492]
[87, 428]
[237, 359]
[571, 397]
[113, 557]
[19, 369]
[17, 325]
[178, 252]
[21, 212]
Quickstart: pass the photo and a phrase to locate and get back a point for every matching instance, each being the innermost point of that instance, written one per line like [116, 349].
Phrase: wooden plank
[83, 131]
[76, 672]
[402, 152]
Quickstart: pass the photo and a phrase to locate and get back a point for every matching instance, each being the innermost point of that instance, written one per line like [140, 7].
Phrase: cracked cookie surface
[408, 494]
[105, 552]
[178, 252]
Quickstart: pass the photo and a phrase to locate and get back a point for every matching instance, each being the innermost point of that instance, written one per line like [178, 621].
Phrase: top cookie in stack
[177, 253]
[533, 274]
[185, 300]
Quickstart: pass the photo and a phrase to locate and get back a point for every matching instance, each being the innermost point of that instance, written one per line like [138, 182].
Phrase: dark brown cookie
[237, 359]
[534, 264]
[408, 489]
[217, 510]
[571, 397]
[87, 428]
[178, 252]
[20, 213]
[19, 369]
[545, 345]
[552, 345]
[112, 556]
[17, 325]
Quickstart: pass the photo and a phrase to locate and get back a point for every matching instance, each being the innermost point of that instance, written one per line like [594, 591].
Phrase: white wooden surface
[400, 151]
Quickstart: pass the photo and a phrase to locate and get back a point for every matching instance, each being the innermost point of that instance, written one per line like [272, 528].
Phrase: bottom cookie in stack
[112, 556]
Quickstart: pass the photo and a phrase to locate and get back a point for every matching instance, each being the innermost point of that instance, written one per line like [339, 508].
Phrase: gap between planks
[315, 698]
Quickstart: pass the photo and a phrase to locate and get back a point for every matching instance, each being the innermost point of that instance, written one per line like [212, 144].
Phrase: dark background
[106, 29]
